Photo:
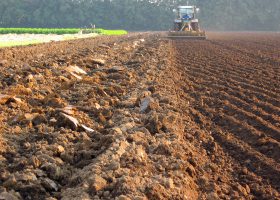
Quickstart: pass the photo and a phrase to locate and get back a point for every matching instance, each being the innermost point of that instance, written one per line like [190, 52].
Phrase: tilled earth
[142, 117]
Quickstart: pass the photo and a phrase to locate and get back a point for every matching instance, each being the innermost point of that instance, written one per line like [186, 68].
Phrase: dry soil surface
[142, 117]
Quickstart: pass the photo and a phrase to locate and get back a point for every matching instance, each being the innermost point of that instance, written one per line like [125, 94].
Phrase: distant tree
[138, 14]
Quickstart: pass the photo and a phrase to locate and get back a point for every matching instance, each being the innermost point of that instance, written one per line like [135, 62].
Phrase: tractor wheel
[195, 26]
[177, 26]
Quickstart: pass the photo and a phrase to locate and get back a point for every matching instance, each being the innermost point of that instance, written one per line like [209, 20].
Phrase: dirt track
[147, 118]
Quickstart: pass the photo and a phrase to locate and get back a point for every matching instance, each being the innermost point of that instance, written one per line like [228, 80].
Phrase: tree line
[138, 15]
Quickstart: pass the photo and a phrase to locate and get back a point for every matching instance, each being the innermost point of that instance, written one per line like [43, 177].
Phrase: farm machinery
[186, 25]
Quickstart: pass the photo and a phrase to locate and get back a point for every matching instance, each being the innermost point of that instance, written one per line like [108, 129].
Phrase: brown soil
[142, 117]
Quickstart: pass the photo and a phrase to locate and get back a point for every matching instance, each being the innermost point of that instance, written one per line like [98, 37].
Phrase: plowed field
[233, 89]
[142, 117]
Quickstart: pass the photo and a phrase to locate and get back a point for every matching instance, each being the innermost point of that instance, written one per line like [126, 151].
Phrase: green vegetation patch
[111, 32]
[57, 31]
[67, 34]
[60, 31]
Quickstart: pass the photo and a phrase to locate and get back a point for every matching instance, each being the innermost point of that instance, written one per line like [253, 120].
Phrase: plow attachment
[192, 35]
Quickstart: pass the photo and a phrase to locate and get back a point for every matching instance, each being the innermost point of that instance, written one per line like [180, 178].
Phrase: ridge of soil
[141, 117]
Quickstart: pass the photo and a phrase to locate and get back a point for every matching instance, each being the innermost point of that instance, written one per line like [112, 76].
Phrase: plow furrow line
[247, 155]
[251, 108]
[244, 130]
[249, 75]
[249, 72]
[253, 56]
[246, 84]
[247, 132]
[233, 91]
[216, 55]
[253, 48]
[233, 96]
[248, 44]
[255, 121]
[205, 75]
[250, 158]
[256, 54]
[236, 70]
[262, 85]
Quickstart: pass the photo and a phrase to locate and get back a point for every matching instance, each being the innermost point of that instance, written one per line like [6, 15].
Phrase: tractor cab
[186, 12]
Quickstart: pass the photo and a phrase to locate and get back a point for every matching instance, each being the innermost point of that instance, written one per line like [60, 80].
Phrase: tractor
[186, 25]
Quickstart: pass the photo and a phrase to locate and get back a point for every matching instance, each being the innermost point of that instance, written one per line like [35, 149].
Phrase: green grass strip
[67, 31]
[59, 31]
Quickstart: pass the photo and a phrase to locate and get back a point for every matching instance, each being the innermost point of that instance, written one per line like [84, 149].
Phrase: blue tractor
[186, 24]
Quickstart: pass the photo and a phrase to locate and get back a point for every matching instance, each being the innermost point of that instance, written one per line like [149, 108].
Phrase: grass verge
[60, 31]
[107, 32]
[45, 40]
[67, 34]
[57, 31]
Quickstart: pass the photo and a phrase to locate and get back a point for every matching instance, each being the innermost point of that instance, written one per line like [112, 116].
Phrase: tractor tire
[195, 26]
[177, 26]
